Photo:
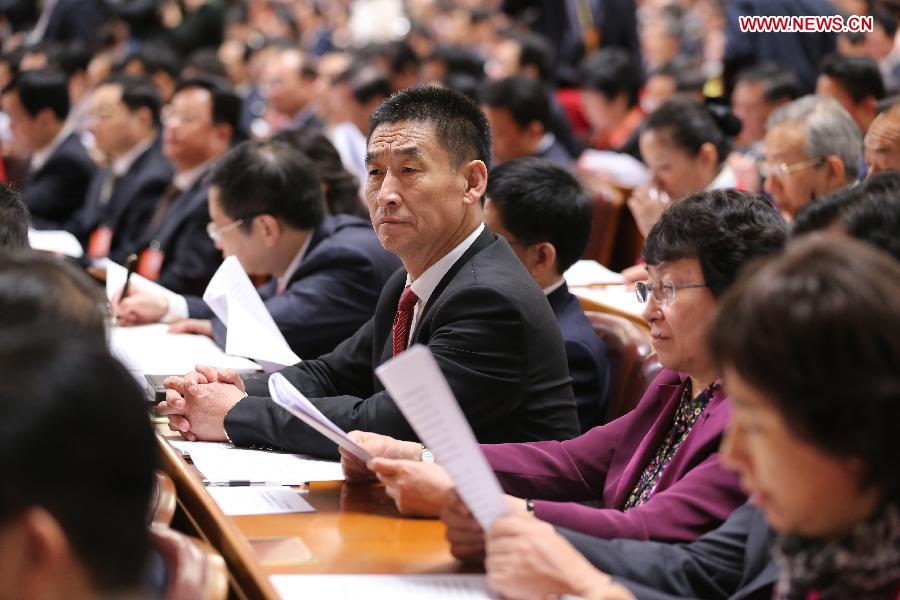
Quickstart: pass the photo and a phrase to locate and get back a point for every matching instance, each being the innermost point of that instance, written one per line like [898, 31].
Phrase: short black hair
[859, 75]
[534, 51]
[824, 212]
[40, 89]
[14, 220]
[272, 178]
[817, 330]
[885, 20]
[690, 124]
[155, 57]
[137, 92]
[722, 229]
[78, 446]
[38, 288]
[612, 72]
[539, 201]
[341, 187]
[366, 81]
[461, 126]
[458, 59]
[226, 105]
[876, 217]
[524, 98]
[779, 83]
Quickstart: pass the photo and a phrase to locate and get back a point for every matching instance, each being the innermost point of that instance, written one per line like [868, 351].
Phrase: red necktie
[403, 319]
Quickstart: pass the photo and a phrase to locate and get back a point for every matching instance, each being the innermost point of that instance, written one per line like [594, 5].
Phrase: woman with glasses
[809, 346]
[653, 473]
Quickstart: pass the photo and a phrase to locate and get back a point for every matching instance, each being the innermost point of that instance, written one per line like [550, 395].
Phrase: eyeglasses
[215, 233]
[663, 291]
[168, 114]
[783, 169]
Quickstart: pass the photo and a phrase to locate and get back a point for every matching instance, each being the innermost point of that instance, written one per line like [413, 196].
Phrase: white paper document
[590, 272]
[152, 350]
[59, 242]
[262, 500]
[618, 297]
[251, 330]
[423, 395]
[382, 587]
[289, 398]
[115, 280]
[184, 446]
[620, 169]
[225, 463]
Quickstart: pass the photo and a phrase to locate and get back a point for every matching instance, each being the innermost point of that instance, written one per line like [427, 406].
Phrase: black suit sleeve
[191, 257]
[474, 336]
[710, 568]
[55, 198]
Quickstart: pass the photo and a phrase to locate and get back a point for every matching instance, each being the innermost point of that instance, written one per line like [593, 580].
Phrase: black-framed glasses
[663, 291]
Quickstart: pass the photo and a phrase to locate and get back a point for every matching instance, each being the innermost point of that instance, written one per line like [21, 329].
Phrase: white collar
[282, 281]
[425, 284]
[123, 164]
[40, 157]
[184, 180]
[725, 179]
[554, 286]
[548, 140]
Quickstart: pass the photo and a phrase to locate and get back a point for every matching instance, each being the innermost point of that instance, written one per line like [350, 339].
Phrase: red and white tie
[403, 320]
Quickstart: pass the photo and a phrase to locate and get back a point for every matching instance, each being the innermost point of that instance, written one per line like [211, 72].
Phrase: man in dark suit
[267, 209]
[519, 114]
[545, 217]
[463, 293]
[198, 126]
[122, 197]
[59, 170]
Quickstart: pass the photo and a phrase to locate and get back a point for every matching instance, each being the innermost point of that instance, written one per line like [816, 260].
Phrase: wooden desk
[355, 529]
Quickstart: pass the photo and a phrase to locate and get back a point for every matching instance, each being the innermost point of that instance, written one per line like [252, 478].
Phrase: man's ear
[544, 260]
[42, 555]
[270, 227]
[836, 172]
[475, 173]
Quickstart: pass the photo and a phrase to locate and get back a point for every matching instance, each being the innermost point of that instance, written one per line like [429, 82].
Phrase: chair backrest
[630, 355]
[605, 217]
[193, 569]
[162, 505]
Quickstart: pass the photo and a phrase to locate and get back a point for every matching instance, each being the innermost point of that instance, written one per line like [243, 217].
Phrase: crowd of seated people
[429, 180]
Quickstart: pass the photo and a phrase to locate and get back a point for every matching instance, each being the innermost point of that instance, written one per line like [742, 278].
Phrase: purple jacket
[693, 495]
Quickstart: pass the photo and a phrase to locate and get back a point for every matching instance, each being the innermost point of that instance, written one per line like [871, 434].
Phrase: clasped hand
[197, 403]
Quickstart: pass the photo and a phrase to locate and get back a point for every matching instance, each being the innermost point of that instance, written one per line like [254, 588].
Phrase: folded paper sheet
[251, 330]
[59, 242]
[289, 398]
[423, 395]
[395, 587]
[222, 463]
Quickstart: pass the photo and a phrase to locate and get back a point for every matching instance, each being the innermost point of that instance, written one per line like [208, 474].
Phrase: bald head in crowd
[882, 141]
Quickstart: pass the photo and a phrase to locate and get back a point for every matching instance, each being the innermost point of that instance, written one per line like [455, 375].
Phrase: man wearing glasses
[812, 148]
[198, 126]
[266, 207]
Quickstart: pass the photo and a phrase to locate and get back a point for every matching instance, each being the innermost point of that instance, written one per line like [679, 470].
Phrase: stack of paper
[423, 395]
[58, 242]
[590, 272]
[115, 280]
[221, 464]
[251, 330]
[395, 587]
[251, 500]
[152, 350]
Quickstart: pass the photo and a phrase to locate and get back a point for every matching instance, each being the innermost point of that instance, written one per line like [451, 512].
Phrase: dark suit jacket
[693, 495]
[130, 206]
[557, 154]
[586, 354]
[331, 294]
[190, 256]
[56, 191]
[732, 562]
[71, 20]
[493, 335]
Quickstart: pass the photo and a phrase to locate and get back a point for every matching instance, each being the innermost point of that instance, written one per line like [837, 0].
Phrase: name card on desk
[221, 464]
[396, 587]
[263, 500]
[423, 395]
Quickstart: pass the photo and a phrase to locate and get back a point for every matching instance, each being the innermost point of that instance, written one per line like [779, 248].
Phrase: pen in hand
[130, 264]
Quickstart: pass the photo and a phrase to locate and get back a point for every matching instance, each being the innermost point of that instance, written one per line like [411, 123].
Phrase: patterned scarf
[865, 565]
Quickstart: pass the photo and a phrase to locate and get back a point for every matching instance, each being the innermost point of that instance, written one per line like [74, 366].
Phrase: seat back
[162, 505]
[606, 212]
[630, 355]
[193, 569]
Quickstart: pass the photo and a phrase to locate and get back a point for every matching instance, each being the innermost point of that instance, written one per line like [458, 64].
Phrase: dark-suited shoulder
[731, 562]
[56, 192]
[334, 289]
[586, 354]
[555, 152]
[493, 335]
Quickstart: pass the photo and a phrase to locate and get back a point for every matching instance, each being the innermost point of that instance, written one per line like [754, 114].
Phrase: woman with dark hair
[684, 145]
[809, 346]
[654, 472]
[340, 186]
